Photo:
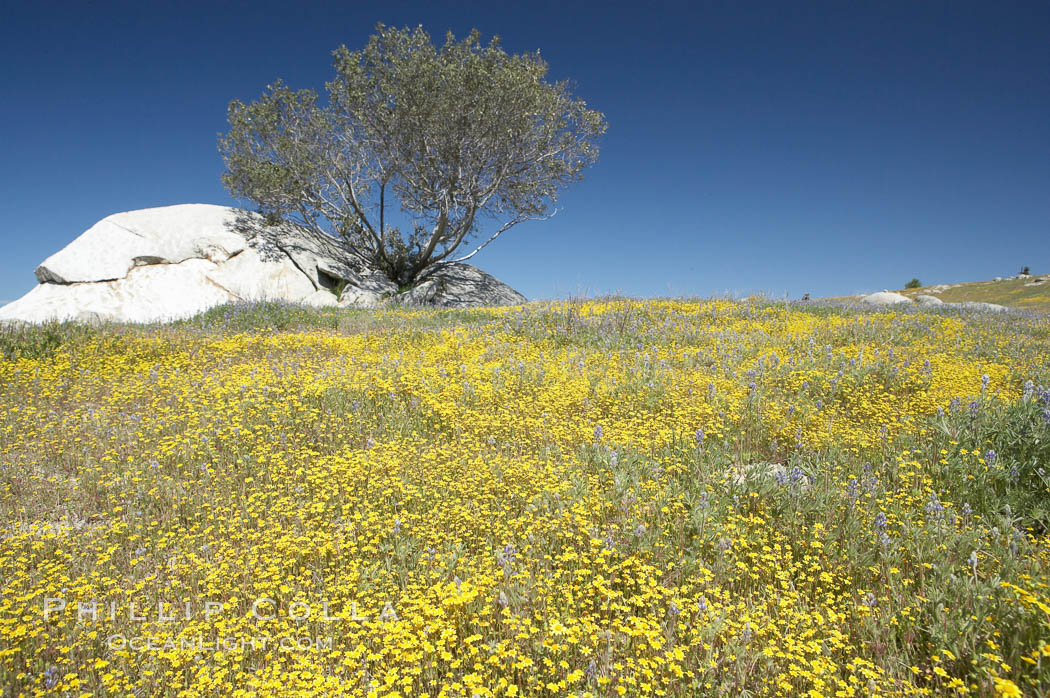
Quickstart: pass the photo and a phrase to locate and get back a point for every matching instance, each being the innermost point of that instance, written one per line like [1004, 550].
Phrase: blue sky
[828, 148]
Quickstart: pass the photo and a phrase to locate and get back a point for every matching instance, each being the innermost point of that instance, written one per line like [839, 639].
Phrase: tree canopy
[466, 140]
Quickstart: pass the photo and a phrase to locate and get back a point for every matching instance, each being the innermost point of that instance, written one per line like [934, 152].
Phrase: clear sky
[784, 147]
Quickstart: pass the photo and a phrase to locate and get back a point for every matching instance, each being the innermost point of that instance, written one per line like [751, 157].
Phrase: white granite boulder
[885, 298]
[172, 262]
[145, 294]
[109, 249]
[928, 300]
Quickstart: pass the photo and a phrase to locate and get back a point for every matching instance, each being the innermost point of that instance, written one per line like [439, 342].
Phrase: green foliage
[40, 341]
[263, 315]
[339, 289]
[451, 136]
[914, 283]
[1014, 479]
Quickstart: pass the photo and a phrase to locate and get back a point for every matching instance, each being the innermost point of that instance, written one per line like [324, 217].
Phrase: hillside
[606, 498]
[1029, 292]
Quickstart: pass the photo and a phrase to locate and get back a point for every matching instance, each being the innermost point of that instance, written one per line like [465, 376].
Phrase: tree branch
[502, 230]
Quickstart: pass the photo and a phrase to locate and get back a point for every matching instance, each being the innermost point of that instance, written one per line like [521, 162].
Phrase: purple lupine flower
[507, 556]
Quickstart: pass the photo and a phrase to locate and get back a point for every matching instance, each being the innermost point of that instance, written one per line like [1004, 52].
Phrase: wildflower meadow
[593, 498]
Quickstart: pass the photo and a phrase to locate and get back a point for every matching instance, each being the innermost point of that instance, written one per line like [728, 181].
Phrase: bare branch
[502, 230]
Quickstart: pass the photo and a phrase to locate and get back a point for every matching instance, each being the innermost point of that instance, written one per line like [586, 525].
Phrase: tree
[466, 140]
[914, 283]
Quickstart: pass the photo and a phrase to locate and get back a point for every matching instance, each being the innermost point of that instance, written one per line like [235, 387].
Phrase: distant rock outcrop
[976, 305]
[885, 298]
[173, 262]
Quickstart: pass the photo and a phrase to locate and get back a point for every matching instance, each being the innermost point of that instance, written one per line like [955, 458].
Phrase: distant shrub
[914, 283]
[1024, 270]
